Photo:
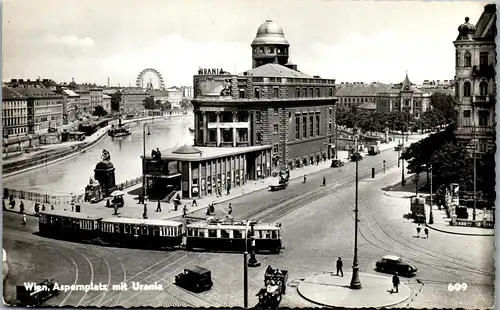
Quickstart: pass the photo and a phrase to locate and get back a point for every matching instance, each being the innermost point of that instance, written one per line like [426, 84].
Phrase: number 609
[457, 287]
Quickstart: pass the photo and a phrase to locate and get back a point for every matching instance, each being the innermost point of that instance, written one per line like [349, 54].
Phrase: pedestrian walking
[72, 207]
[340, 264]
[228, 189]
[12, 203]
[426, 232]
[108, 203]
[21, 207]
[229, 209]
[51, 207]
[184, 211]
[43, 207]
[24, 219]
[305, 179]
[395, 282]
[115, 207]
[418, 230]
[324, 181]
[194, 203]
[158, 206]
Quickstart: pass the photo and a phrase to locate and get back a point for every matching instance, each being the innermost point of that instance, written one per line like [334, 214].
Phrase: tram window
[126, 229]
[267, 234]
[144, 230]
[212, 233]
[274, 234]
[156, 232]
[150, 230]
[224, 233]
[237, 234]
[117, 228]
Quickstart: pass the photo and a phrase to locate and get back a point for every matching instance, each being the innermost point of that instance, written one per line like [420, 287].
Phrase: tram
[230, 236]
[69, 225]
[141, 233]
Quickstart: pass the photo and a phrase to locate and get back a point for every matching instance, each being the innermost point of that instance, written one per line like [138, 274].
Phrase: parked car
[359, 157]
[337, 163]
[392, 264]
[373, 150]
[195, 279]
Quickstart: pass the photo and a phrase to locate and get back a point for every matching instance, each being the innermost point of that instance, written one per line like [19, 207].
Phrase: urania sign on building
[210, 71]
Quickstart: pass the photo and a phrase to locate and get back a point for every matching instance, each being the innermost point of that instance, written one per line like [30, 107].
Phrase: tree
[452, 164]
[166, 106]
[150, 103]
[186, 104]
[116, 98]
[99, 111]
[444, 104]
[486, 176]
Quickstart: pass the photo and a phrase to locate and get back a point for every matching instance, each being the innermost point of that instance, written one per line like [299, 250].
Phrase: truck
[275, 287]
[417, 208]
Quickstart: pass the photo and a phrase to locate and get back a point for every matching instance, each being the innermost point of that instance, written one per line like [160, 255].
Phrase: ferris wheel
[140, 78]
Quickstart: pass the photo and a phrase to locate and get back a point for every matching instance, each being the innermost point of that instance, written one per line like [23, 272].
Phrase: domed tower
[269, 45]
[466, 31]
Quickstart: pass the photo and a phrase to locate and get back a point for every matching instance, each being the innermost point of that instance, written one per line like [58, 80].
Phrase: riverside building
[248, 125]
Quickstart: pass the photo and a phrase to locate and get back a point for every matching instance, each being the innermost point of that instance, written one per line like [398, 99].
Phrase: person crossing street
[229, 209]
[24, 219]
[426, 232]
[418, 231]
[158, 207]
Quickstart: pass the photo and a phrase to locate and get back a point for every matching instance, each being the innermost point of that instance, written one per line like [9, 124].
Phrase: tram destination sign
[210, 71]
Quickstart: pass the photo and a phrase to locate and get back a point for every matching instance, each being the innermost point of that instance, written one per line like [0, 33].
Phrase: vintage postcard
[269, 154]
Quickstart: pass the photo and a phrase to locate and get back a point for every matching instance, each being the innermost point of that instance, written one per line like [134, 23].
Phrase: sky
[349, 41]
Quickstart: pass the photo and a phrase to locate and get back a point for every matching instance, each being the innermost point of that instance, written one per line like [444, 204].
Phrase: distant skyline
[349, 41]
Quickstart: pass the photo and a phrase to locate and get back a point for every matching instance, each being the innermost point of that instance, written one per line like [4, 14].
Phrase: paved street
[317, 228]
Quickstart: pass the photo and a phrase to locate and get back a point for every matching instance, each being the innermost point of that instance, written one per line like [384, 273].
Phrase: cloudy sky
[92, 40]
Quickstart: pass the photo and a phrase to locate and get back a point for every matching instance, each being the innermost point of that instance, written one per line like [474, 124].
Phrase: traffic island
[333, 291]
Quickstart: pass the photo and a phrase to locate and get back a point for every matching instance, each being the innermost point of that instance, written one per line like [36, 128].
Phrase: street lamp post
[245, 266]
[355, 282]
[431, 217]
[144, 157]
[252, 262]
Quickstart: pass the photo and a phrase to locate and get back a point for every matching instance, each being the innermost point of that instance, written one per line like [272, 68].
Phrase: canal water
[72, 175]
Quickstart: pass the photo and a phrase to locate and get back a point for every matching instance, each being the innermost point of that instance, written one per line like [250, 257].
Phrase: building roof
[362, 89]
[73, 215]
[275, 70]
[136, 221]
[270, 32]
[186, 149]
[70, 93]
[38, 92]
[133, 91]
[486, 25]
[9, 93]
[209, 152]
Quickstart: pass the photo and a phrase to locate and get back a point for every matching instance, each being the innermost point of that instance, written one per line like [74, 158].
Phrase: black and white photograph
[251, 154]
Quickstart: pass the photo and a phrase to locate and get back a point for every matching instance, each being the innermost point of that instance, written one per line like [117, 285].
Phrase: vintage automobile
[36, 295]
[359, 157]
[336, 163]
[392, 264]
[417, 208]
[373, 149]
[275, 288]
[278, 183]
[195, 279]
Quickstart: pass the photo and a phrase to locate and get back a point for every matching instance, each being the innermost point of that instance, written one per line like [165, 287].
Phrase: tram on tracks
[143, 233]
[228, 235]
[69, 225]
[212, 235]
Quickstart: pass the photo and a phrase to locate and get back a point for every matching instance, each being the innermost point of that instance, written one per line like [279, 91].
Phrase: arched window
[483, 88]
[467, 59]
[467, 89]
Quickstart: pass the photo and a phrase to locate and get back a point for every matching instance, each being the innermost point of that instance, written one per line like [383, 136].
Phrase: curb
[457, 233]
[340, 306]
[404, 197]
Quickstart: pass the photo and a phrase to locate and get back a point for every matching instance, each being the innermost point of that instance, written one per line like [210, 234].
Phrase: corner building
[475, 85]
[249, 124]
[272, 104]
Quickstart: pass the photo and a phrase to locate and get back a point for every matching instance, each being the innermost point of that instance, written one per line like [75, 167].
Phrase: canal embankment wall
[45, 159]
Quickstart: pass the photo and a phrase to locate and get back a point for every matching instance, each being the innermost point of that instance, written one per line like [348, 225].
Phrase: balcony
[483, 71]
[483, 100]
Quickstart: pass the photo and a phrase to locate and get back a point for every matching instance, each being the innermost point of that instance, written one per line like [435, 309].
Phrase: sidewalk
[333, 291]
[442, 223]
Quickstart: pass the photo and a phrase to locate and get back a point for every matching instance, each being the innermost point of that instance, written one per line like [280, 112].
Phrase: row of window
[130, 229]
[467, 60]
[14, 121]
[13, 104]
[299, 92]
[15, 131]
[483, 118]
[47, 103]
[231, 233]
[305, 133]
[270, 50]
[227, 135]
[483, 89]
[14, 113]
